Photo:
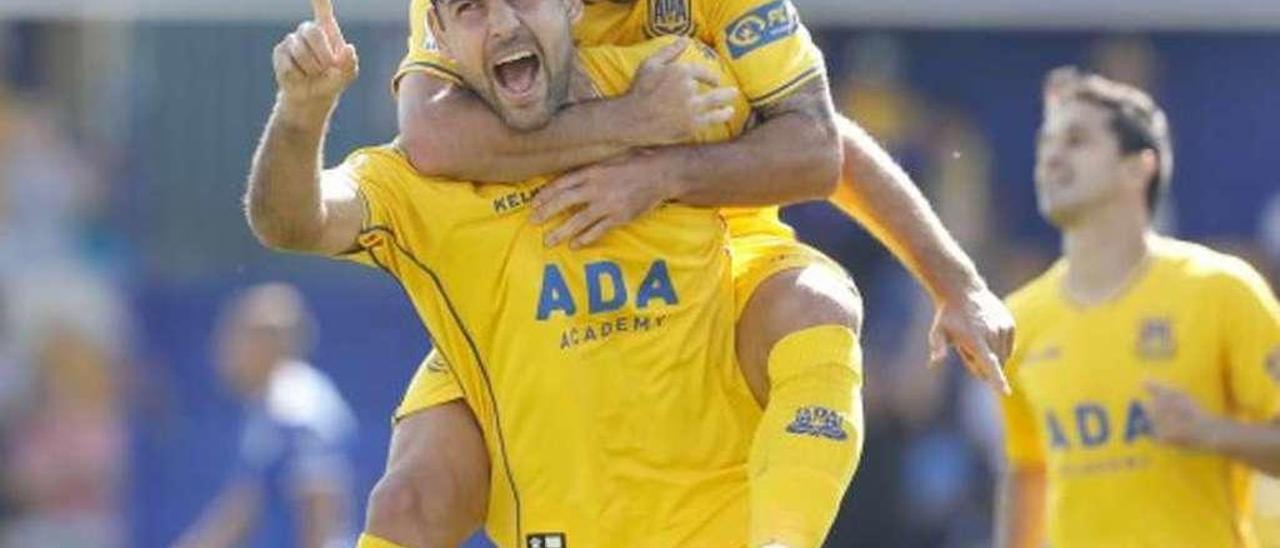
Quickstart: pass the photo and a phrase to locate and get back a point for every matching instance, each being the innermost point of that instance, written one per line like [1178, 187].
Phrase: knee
[802, 298]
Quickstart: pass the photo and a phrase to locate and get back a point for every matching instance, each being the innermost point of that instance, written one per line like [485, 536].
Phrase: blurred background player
[292, 485]
[1145, 371]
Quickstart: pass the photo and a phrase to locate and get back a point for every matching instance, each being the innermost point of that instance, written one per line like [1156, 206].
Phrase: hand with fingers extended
[1177, 419]
[981, 329]
[671, 100]
[314, 64]
[603, 196]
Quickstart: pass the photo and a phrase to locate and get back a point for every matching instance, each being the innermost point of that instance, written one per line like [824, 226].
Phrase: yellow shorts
[756, 257]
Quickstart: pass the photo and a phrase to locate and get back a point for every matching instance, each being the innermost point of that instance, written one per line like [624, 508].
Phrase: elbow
[827, 161]
[427, 156]
[276, 235]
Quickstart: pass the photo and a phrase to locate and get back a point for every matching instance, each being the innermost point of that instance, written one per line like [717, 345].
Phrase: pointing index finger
[322, 10]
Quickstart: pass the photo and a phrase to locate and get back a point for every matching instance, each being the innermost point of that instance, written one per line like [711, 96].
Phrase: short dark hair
[1137, 121]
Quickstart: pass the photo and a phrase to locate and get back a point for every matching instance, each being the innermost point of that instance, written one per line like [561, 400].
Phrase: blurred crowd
[71, 352]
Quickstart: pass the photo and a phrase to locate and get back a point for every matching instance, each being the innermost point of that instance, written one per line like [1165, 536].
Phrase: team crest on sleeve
[818, 422]
[1155, 339]
[670, 17]
[761, 27]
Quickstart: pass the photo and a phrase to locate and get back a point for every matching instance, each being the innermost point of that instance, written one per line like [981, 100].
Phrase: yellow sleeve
[612, 68]
[423, 54]
[378, 182]
[1251, 320]
[1022, 443]
[768, 49]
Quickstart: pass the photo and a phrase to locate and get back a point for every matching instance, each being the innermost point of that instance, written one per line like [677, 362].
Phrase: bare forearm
[877, 193]
[793, 156]
[283, 198]
[1257, 445]
[454, 134]
[786, 160]
[1020, 508]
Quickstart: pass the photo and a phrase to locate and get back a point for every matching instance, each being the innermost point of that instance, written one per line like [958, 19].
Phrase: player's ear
[1142, 167]
[575, 10]
[435, 26]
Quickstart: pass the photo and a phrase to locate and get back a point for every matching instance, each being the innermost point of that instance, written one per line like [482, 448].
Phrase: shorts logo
[545, 540]
[669, 17]
[818, 422]
[761, 27]
[1155, 339]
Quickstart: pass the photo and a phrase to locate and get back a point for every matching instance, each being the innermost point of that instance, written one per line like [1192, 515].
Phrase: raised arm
[287, 203]
[447, 130]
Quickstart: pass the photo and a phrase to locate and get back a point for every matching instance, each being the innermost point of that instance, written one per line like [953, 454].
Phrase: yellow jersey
[767, 49]
[604, 379]
[1195, 319]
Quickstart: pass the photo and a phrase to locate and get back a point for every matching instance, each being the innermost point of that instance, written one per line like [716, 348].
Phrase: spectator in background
[292, 484]
[66, 461]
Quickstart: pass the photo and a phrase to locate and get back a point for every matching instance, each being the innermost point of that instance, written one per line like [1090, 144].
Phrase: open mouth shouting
[516, 76]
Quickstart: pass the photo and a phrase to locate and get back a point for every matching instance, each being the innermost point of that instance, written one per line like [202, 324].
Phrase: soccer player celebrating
[1145, 368]
[603, 378]
[790, 298]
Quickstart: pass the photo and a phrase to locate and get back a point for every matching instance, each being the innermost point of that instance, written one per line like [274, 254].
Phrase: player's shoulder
[1206, 267]
[1037, 296]
[612, 67]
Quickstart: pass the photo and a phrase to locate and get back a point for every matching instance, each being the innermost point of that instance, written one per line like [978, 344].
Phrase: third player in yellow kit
[1195, 319]
[1145, 369]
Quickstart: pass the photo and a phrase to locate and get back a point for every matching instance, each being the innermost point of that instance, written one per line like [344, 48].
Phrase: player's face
[517, 54]
[246, 354]
[1078, 161]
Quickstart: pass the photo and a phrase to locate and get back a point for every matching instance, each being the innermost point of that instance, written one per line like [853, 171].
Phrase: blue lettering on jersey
[656, 285]
[818, 422]
[1137, 424]
[760, 27]
[1057, 439]
[555, 294]
[1092, 424]
[596, 275]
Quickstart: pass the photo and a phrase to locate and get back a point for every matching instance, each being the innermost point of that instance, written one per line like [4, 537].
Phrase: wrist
[303, 113]
[1212, 433]
[636, 128]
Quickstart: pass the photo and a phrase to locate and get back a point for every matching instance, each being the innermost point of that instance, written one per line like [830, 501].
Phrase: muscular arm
[878, 194]
[286, 203]
[792, 156]
[1020, 510]
[447, 130]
